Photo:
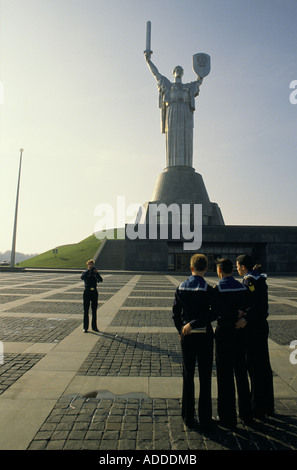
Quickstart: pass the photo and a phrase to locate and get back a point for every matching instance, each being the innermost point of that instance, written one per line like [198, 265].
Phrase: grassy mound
[72, 256]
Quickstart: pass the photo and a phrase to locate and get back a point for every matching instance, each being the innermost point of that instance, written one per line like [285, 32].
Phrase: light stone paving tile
[282, 317]
[21, 412]
[34, 348]
[283, 301]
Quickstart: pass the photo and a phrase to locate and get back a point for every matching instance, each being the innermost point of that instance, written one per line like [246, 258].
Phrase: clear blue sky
[79, 98]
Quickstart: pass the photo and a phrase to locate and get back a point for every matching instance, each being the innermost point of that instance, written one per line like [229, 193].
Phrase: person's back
[192, 303]
[230, 296]
[257, 337]
[257, 286]
[191, 311]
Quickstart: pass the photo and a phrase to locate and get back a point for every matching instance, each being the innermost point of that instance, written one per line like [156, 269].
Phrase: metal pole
[12, 259]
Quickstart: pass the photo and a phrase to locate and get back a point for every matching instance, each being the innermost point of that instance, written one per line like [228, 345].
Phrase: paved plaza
[120, 389]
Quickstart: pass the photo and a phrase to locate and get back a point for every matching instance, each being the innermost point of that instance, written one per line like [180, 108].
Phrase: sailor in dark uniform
[257, 338]
[230, 296]
[192, 318]
[90, 296]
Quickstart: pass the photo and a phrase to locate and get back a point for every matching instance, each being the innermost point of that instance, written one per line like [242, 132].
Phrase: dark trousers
[231, 366]
[197, 348]
[260, 369]
[90, 297]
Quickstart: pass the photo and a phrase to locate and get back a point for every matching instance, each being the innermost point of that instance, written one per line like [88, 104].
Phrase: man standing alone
[90, 296]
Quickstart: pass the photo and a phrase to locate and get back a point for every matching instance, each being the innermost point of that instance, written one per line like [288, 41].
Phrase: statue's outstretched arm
[151, 66]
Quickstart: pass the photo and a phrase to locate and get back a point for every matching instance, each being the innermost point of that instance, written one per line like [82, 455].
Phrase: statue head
[178, 72]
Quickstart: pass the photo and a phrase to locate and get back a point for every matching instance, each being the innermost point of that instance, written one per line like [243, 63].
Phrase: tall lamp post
[12, 259]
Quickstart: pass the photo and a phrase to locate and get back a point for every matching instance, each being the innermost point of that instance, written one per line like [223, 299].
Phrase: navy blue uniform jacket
[192, 303]
[230, 296]
[258, 303]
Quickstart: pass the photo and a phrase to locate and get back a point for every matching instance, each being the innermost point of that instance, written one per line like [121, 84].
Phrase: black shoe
[85, 331]
[95, 329]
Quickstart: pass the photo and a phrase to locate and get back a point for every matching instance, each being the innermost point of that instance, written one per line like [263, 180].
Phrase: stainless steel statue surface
[177, 102]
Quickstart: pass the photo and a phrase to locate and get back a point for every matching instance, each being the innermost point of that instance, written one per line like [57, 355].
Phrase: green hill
[72, 256]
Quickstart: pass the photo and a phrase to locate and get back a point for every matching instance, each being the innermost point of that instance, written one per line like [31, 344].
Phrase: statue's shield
[201, 64]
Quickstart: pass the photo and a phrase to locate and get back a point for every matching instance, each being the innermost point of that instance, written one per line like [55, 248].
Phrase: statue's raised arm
[152, 66]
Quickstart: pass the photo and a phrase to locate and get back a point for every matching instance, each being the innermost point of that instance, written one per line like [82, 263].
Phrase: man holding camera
[90, 296]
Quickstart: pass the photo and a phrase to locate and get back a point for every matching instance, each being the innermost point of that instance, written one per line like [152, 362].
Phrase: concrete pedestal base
[182, 185]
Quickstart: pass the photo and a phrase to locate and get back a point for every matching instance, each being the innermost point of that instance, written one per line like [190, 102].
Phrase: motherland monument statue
[179, 184]
[177, 104]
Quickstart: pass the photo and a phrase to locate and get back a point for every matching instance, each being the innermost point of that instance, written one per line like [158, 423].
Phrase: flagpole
[12, 259]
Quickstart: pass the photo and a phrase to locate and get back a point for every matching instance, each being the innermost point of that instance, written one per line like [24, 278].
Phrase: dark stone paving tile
[155, 424]
[153, 293]
[46, 286]
[147, 302]
[23, 290]
[4, 299]
[134, 354]
[6, 280]
[143, 318]
[282, 309]
[116, 279]
[37, 330]
[154, 288]
[49, 308]
[283, 331]
[76, 296]
[14, 366]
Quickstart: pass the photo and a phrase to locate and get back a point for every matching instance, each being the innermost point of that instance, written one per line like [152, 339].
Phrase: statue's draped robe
[177, 101]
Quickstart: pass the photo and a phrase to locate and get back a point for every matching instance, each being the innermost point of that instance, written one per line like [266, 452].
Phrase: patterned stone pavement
[120, 389]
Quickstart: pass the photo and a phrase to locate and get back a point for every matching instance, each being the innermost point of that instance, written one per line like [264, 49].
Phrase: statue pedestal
[182, 185]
